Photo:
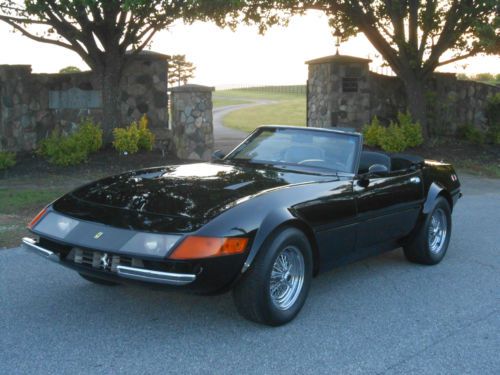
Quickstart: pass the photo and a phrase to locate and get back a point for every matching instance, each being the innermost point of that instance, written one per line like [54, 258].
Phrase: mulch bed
[105, 162]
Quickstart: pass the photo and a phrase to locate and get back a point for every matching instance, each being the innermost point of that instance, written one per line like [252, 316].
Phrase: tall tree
[107, 34]
[415, 37]
[180, 71]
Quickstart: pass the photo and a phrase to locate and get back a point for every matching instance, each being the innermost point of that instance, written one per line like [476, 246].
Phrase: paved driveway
[227, 138]
[379, 316]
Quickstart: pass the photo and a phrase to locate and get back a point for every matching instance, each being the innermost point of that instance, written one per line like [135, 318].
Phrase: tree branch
[457, 58]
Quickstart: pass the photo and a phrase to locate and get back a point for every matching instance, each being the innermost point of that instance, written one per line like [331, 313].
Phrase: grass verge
[17, 208]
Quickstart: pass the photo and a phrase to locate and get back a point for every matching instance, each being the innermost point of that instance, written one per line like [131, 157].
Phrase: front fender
[270, 223]
[434, 191]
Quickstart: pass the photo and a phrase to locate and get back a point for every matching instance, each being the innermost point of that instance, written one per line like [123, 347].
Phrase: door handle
[415, 180]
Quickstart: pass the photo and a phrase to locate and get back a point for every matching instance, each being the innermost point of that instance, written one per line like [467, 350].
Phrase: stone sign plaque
[75, 98]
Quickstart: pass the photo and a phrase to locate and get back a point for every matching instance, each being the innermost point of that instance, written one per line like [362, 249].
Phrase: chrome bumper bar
[134, 273]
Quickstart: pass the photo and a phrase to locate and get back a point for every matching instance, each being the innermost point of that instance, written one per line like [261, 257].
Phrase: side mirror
[378, 169]
[218, 155]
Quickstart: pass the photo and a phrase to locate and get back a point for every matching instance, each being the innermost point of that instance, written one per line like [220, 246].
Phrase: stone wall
[192, 121]
[33, 105]
[333, 101]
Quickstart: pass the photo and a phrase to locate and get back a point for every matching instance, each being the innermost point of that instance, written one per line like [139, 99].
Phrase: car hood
[173, 198]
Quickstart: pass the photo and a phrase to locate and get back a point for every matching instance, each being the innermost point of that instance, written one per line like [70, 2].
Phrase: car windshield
[311, 148]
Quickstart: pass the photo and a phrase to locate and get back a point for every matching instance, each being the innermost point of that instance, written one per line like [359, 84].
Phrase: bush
[90, 135]
[146, 137]
[492, 112]
[126, 139]
[396, 137]
[134, 138]
[412, 131]
[7, 160]
[471, 134]
[373, 132]
[393, 139]
[65, 150]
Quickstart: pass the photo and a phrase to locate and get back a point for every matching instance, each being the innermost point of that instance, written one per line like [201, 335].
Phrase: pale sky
[225, 58]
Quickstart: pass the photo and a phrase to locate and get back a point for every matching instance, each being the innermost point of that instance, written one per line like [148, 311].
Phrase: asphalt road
[379, 316]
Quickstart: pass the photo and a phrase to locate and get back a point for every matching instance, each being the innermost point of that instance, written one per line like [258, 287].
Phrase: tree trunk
[111, 117]
[415, 93]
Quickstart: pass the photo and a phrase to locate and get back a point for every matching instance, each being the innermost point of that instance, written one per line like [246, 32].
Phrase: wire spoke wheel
[438, 229]
[287, 277]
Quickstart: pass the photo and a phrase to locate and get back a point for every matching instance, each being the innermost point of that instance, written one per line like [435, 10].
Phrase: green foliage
[471, 134]
[65, 150]
[484, 77]
[7, 160]
[70, 69]
[146, 137]
[126, 139]
[180, 71]
[134, 137]
[412, 131]
[397, 137]
[393, 139]
[492, 112]
[90, 134]
[373, 132]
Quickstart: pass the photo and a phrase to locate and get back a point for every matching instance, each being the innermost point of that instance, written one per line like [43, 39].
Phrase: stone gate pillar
[192, 121]
[338, 92]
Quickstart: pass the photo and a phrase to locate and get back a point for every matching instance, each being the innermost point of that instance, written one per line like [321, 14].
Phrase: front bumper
[140, 274]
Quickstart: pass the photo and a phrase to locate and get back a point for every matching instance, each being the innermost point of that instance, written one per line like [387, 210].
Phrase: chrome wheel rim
[438, 229]
[287, 277]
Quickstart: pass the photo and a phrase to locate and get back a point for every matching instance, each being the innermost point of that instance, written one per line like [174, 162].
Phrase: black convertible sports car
[283, 206]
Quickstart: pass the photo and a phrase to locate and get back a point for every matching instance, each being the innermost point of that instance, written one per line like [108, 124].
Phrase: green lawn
[17, 208]
[13, 201]
[263, 93]
[289, 107]
[285, 112]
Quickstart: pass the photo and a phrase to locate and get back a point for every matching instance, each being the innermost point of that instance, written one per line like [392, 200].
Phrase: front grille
[102, 261]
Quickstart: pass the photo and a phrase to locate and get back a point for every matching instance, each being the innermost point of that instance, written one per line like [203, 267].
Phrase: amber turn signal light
[194, 247]
[37, 218]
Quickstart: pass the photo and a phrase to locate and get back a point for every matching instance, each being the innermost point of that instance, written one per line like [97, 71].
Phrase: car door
[387, 206]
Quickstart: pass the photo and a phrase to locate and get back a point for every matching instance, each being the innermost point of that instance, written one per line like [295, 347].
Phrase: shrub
[134, 138]
[146, 137]
[471, 134]
[126, 139]
[492, 112]
[412, 131]
[65, 150]
[90, 134]
[373, 132]
[393, 139]
[396, 137]
[7, 160]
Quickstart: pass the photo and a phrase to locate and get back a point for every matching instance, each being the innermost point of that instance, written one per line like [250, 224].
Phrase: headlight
[150, 244]
[56, 225]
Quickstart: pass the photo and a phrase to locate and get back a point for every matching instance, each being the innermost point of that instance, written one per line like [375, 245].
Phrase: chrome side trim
[155, 276]
[31, 244]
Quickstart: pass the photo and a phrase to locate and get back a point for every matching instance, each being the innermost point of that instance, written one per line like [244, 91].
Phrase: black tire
[96, 280]
[252, 295]
[419, 249]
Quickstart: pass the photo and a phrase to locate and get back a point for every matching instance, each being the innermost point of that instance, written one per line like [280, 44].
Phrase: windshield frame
[320, 170]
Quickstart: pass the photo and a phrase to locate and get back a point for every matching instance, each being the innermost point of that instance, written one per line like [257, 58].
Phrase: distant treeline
[481, 77]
